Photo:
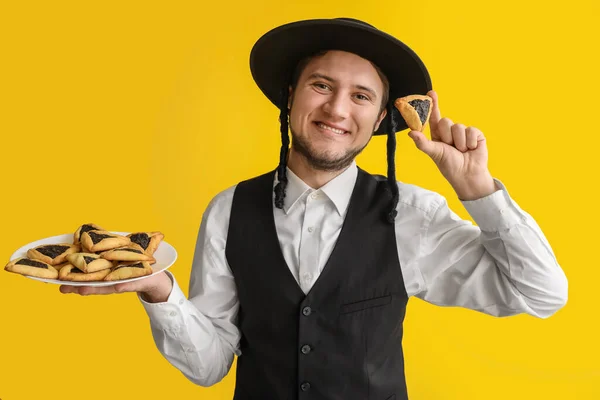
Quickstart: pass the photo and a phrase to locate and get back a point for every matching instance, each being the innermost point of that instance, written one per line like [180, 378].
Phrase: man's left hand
[459, 152]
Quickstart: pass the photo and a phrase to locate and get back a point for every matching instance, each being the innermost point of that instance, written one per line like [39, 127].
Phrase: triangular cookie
[89, 262]
[129, 270]
[148, 241]
[52, 254]
[84, 228]
[26, 266]
[72, 273]
[94, 241]
[131, 252]
[415, 110]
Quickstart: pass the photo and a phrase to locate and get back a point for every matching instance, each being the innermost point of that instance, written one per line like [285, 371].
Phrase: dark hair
[280, 188]
[285, 144]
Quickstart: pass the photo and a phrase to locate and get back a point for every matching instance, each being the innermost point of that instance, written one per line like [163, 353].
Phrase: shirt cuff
[496, 211]
[166, 314]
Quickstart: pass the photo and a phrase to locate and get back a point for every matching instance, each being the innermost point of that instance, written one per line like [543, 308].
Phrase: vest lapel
[355, 209]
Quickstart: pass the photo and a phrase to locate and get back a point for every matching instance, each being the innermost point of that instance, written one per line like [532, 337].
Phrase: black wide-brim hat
[276, 54]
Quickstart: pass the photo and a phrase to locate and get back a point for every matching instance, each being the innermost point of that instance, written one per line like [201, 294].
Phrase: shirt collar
[338, 190]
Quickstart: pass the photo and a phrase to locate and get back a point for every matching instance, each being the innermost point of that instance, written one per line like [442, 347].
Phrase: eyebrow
[330, 79]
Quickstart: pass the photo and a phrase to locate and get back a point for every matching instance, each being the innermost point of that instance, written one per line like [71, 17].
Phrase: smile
[331, 129]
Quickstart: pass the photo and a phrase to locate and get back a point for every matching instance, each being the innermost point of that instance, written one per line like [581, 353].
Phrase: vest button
[306, 311]
[306, 349]
[305, 387]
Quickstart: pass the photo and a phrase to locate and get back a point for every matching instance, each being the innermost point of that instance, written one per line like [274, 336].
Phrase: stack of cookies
[95, 255]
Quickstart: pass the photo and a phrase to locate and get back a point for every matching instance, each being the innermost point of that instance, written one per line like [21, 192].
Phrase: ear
[381, 117]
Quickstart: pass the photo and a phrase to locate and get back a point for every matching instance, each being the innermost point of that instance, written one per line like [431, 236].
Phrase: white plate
[165, 256]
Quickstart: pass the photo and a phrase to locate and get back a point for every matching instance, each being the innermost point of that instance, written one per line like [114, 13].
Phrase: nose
[338, 106]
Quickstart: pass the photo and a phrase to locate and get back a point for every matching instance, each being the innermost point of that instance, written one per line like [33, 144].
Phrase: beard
[325, 160]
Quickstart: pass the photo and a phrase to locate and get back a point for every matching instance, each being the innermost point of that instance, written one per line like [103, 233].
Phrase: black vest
[341, 341]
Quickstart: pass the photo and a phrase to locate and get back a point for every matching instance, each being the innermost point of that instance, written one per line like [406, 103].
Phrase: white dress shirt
[503, 266]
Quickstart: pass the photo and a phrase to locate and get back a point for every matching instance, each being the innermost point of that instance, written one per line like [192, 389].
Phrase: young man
[305, 272]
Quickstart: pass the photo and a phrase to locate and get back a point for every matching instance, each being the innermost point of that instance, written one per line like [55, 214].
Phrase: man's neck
[312, 177]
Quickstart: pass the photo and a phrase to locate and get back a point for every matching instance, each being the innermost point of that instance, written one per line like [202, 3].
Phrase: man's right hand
[155, 289]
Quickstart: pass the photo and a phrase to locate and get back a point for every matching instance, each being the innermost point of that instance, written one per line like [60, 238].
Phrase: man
[305, 272]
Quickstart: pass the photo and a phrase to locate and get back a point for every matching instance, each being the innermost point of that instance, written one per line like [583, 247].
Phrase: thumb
[431, 148]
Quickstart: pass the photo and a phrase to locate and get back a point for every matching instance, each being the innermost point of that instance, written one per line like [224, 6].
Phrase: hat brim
[276, 54]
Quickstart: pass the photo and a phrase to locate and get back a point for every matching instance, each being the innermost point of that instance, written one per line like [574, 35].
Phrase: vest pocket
[364, 304]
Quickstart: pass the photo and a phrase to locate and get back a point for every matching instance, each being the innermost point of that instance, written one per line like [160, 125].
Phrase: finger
[88, 290]
[128, 287]
[472, 137]
[67, 289]
[459, 137]
[429, 147]
[444, 131]
[435, 116]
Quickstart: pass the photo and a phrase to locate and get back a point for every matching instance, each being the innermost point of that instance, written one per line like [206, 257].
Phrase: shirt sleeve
[199, 335]
[503, 266]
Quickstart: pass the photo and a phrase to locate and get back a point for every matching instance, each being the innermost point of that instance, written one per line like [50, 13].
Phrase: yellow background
[133, 115]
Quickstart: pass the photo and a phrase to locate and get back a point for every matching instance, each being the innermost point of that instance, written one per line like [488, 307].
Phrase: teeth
[338, 131]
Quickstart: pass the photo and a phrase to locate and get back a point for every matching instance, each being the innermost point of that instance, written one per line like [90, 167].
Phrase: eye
[321, 86]
[362, 97]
